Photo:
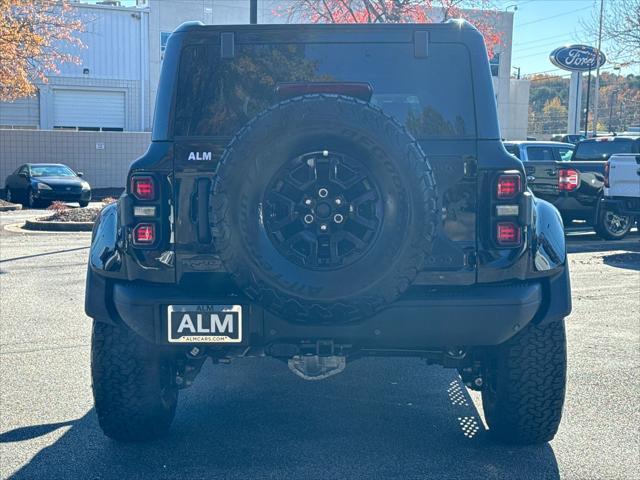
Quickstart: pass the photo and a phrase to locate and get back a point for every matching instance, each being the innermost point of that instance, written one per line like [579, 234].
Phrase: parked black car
[320, 193]
[575, 187]
[39, 183]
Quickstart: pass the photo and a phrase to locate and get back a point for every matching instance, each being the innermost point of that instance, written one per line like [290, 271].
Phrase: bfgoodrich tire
[324, 208]
[525, 385]
[132, 386]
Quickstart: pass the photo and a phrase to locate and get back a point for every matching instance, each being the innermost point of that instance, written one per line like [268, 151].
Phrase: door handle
[531, 178]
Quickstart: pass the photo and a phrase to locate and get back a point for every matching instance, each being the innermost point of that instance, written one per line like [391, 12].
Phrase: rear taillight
[507, 197]
[508, 234]
[607, 167]
[508, 186]
[144, 234]
[568, 179]
[143, 187]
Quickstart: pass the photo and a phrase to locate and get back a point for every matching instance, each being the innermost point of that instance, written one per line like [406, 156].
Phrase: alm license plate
[204, 323]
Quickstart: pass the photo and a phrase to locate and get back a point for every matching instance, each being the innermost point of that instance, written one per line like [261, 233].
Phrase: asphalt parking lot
[381, 418]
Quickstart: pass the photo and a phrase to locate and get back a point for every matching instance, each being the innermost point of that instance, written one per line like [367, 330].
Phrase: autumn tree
[478, 12]
[555, 115]
[35, 36]
[620, 30]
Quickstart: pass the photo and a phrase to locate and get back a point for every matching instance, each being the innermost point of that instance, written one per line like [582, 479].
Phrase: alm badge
[199, 157]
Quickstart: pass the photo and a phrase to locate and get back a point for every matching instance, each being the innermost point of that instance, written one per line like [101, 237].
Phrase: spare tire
[324, 209]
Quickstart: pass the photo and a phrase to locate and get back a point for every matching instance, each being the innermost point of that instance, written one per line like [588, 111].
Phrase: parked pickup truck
[576, 186]
[622, 185]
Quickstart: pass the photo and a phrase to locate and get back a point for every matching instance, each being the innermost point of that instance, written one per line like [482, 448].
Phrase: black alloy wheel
[322, 210]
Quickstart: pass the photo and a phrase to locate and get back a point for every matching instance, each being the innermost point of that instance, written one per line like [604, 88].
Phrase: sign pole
[575, 102]
[586, 113]
[578, 59]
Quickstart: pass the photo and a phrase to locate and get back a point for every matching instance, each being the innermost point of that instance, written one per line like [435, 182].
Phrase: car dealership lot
[381, 418]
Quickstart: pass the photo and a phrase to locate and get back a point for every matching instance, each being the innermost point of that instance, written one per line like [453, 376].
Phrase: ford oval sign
[577, 58]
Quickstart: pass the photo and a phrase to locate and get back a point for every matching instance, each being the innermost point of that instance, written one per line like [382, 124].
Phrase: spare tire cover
[324, 209]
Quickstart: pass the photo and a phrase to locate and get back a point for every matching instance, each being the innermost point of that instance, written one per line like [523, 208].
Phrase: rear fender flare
[105, 255]
[549, 245]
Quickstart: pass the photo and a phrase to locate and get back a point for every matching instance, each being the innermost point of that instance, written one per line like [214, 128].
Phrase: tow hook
[187, 368]
[322, 365]
[472, 378]
[315, 367]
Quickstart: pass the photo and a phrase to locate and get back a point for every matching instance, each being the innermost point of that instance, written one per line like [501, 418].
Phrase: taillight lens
[607, 167]
[568, 179]
[508, 234]
[144, 234]
[508, 186]
[143, 187]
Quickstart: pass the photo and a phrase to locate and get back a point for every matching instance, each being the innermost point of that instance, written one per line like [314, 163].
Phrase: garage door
[88, 109]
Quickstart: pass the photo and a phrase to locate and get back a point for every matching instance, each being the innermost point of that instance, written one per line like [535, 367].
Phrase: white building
[107, 90]
[114, 85]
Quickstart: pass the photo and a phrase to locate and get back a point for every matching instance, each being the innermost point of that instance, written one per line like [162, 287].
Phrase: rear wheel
[525, 385]
[134, 394]
[612, 226]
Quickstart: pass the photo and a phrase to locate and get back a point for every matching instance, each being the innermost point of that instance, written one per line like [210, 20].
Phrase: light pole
[612, 99]
[596, 92]
[518, 74]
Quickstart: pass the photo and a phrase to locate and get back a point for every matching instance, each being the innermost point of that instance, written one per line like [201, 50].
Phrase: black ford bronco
[320, 193]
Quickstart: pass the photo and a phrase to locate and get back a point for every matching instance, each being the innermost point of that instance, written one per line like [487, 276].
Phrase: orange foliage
[32, 37]
[477, 12]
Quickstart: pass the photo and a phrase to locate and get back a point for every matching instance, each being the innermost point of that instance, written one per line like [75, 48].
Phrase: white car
[622, 184]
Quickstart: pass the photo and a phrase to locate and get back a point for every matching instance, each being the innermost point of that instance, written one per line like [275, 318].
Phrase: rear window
[540, 153]
[602, 150]
[216, 96]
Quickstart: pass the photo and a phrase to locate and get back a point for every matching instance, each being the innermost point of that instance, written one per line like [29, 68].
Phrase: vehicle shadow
[34, 431]
[630, 260]
[591, 243]
[381, 418]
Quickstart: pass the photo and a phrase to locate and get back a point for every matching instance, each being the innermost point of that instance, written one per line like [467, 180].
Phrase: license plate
[204, 323]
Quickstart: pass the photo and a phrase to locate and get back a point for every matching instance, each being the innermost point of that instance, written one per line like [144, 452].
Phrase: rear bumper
[469, 316]
[623, 205]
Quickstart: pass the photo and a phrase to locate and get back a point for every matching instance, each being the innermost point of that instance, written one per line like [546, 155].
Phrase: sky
[540, 26]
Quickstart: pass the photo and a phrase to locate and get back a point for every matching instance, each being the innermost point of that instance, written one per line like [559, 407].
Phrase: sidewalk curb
[19, 229]
[58, 226]
[10, 208]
